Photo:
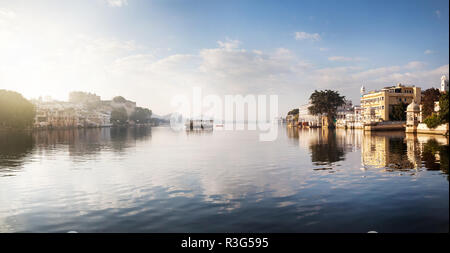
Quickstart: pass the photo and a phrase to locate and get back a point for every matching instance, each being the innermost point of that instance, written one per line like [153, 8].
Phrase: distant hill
[161, 120]
[165, 117]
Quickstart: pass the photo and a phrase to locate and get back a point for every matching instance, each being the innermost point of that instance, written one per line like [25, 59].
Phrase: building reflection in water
[433, 151]
[385, 149]
[18, 146]
[400, 151]
[391, 151]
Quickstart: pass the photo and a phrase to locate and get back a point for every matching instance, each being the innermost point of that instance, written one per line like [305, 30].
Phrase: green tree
[119, 99]
[326, 102]
[441, 117]
[293, 111]
[326, 150]
[429, 96]
[443, 108]
[119, 116]
[15, 110]
[398, 112]
[430, 149]
[141, 115]
[433, 121]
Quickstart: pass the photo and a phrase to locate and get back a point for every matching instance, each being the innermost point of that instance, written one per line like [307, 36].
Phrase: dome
[413, 107]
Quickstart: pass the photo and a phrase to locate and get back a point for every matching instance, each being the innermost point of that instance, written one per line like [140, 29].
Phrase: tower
[444, 84]
[363, 90]
[412, 117]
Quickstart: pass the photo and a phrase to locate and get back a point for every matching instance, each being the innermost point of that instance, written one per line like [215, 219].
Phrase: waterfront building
[358, 117]
[56, 114]
[306, 119]
[414, 118]
[59, 114]
[349, 116]
[378, 104]
[344, 114]
[378, 150]
[96, 119]
[353, 119]
[292, 120]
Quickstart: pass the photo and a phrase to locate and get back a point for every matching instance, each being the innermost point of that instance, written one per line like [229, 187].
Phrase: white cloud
[438, 13]
[59, 61]
[117, 3]
[229, 44]
[415, 65]
[347, 80]
[345, 59]
[6, 13]
[242, 70]
[323, 49]
[428, 51]
[307, 36]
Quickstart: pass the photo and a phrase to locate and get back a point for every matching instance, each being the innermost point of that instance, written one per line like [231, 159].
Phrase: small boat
[199, 124]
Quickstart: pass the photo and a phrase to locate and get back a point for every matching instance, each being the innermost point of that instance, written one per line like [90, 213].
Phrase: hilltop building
[378, 104]
[82, 110]
[79, 97]
[59, 114]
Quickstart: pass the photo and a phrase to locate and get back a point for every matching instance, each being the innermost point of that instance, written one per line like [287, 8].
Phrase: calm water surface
[158, 180]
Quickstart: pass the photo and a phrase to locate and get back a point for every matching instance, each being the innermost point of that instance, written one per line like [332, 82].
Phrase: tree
[398, 112]
[436, 119]
[15, 110]
[326, 103]
[432, 121]
[443, 108]
[293, 111]
[119, 99]
[327, 149]
[119, 116]
[141, 115]
[429, 96]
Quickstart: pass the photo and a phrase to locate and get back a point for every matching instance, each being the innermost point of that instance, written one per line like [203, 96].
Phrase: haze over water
[158, 180]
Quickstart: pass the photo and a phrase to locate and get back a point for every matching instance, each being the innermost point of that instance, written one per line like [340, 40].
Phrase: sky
[148, 51]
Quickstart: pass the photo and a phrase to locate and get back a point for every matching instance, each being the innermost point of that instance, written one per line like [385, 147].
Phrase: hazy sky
[149, 51]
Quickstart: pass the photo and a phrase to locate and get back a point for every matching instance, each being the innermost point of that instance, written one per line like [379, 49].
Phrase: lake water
[158, 180]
